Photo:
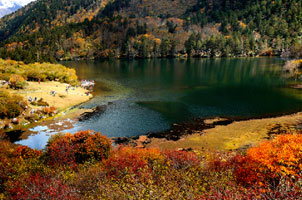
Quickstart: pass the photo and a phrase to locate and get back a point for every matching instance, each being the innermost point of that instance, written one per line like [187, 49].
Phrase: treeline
[131, 29]
[278, 23]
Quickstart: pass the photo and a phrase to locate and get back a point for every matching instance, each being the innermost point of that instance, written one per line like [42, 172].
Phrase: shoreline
[194, 134]
[220, 134]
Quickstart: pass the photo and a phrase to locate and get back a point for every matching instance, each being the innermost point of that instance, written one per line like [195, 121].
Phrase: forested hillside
[90, 29]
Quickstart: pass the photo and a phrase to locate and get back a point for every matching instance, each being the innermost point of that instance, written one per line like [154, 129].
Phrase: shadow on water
[14, 136]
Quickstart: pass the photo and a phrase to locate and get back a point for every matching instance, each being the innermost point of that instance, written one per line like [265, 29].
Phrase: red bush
[61, 152]
[36, 186]
[26, 152]
[78, 148]
[127, 160]
[247, 172]
[182, 159]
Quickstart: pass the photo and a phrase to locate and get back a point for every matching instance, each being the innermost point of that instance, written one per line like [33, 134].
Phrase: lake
[149, 95]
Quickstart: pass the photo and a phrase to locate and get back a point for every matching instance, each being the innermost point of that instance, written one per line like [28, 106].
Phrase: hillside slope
[48, 14]
[90, 29]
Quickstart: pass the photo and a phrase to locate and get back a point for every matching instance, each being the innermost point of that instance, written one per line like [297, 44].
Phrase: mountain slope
[47, 14]
[49, 30]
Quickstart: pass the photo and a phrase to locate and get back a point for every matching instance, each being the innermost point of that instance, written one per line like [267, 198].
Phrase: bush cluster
[83, 166]
[14, 71]
[11, 106]
[16, 81]
[82, 146]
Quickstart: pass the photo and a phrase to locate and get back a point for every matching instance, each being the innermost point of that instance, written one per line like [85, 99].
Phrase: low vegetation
[293, 66]
[17, 72]
[11, 106]
[84, 166]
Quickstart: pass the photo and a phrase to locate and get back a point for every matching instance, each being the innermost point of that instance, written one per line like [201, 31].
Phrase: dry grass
[62, 100]
[233, 136]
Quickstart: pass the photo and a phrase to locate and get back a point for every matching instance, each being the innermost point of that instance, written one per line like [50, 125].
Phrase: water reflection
[149, 95]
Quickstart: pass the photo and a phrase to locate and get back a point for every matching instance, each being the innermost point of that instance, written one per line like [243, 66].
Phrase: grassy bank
[237, 135]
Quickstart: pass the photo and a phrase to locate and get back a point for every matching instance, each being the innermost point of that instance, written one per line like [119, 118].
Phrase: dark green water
[150, 95]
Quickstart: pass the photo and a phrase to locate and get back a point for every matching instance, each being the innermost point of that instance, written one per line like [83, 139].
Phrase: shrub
[271, 160]
[34, 75]
[182, 159]
[82, 146]
[36, 186]
[40, 102]
[283, 155]
[38, 71]
[127, 160]
[11, 106]
[17, 82]
[6, 166]
[25, 152]
[49, 110]
[4, 76]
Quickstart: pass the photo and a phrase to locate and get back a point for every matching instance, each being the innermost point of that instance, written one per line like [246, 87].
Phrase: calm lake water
[149, 95]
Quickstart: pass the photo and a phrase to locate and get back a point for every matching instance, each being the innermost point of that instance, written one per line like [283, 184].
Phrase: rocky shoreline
[175, 133]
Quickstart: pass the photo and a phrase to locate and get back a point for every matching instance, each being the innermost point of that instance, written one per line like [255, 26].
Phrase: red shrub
[223, 161]
[247, 173]
[25, 152]
[182, 159]
[126, 160]
[230, 192]
[78, 148]
[91, 145]
[61, 152]
[40, 187]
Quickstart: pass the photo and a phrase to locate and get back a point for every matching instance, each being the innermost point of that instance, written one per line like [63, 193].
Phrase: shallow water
[150, 95]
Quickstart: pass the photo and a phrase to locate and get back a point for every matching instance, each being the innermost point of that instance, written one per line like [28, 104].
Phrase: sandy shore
[236, 135]
[61, 101]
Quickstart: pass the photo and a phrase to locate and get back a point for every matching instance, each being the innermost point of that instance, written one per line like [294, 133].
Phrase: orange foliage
[25, 152]
[78, 148]
[272, 159]
[49, 110]
[282, 155]
[16, 81]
